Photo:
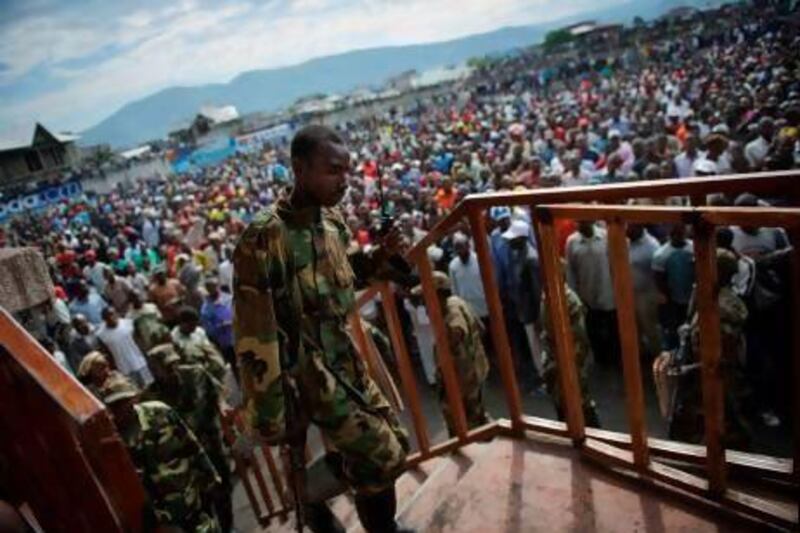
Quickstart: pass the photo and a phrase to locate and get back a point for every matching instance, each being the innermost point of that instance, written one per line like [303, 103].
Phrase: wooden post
[405, 368]
[496, 317]
[256, 468]
[277, 477]
[561, 333]
[629, 340]
[360, 337]
[794, 235]
[443, 354]
[710, 347]
[241, 468]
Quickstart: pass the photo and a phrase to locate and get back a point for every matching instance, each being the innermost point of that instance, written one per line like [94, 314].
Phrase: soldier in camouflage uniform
[577, 321]
[293, 291]
[149, 329]
[94, 371]
[174, 469]
[688, 420]
[464, 332]
[194, 346]
[194, 394]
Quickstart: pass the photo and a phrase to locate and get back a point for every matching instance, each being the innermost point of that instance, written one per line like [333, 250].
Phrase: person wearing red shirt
[446, 195]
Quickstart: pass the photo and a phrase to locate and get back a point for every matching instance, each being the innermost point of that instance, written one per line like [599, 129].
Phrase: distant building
[209, 124]
[46, 157]
[591, 34]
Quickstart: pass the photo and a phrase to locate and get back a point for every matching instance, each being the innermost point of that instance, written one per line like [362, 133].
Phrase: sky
[70, 63]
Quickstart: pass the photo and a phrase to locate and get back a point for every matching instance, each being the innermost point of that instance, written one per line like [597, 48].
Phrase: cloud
[108, 58]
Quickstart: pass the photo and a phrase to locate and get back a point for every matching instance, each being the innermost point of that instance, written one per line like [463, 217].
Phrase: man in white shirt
[94, 271]
[588, 273]
[465, 276]
[684, 161]
[116, 334]
[753, 241]
[756, 150]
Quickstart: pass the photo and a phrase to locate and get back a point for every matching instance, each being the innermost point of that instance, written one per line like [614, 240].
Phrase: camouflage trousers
[474, 409]
[552, 380]
[356, 420]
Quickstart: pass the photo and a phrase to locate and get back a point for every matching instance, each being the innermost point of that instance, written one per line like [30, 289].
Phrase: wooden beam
[757, 216]
[483, 433]
[502, 349]
[760, 183]
[561, 333]
[629, 340]
[443, 355]
[405, 367]
[710, 347]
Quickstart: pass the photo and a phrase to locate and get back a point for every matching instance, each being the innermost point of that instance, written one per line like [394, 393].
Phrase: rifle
[295, 449]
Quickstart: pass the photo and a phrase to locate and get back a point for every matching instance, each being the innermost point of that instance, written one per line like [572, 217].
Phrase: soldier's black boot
[376, 512]
[320, 519]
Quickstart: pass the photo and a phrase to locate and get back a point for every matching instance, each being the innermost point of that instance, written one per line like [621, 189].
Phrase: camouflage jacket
[174, 469]
[464, 331]
[148, 328]
[732, 318]
[198, 349]
[194, 398]
[577, 322]
[293, 289]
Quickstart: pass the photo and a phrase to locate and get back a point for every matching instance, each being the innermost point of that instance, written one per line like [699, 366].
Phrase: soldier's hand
[244, 445]
[393, 242]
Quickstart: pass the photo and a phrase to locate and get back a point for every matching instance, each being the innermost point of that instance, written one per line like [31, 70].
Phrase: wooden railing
[634, 452]
[61, 459]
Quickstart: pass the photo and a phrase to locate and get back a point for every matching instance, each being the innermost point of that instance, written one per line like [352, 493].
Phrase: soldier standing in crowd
[732, 318]
[149, 329]
[194, 394]
[293, 291]
[175, 471]
[582, 349]
[94, 371]
[193, 344]
[464, 334]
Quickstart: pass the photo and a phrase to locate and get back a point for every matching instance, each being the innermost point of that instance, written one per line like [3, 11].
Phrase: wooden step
[345, 510]
[532, 486]
[443, 477]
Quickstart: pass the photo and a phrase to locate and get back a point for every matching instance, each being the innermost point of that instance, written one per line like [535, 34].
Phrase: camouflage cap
[163, 354]
[91, 360]
[118, 388]
[441, 282]
[727, 265]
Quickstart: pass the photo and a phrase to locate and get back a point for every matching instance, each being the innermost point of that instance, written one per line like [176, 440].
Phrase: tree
[557, 37]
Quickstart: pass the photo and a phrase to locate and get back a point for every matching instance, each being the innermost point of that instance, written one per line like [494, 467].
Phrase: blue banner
[43, 197]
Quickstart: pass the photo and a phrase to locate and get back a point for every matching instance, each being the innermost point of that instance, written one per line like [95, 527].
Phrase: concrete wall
[141, 170]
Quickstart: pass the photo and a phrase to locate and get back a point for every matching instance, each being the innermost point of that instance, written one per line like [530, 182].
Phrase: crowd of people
[147, 269]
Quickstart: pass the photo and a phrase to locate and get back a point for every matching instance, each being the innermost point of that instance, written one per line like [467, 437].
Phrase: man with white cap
[524, 294]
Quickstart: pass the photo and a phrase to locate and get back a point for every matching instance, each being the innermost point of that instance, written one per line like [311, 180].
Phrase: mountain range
[271, 89]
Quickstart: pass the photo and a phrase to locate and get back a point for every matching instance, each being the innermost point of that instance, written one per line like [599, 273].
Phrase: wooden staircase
[510, 485]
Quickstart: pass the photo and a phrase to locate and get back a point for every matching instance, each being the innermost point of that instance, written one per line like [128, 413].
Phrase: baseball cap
[518, 228]
[704, 166]
[499, 212]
